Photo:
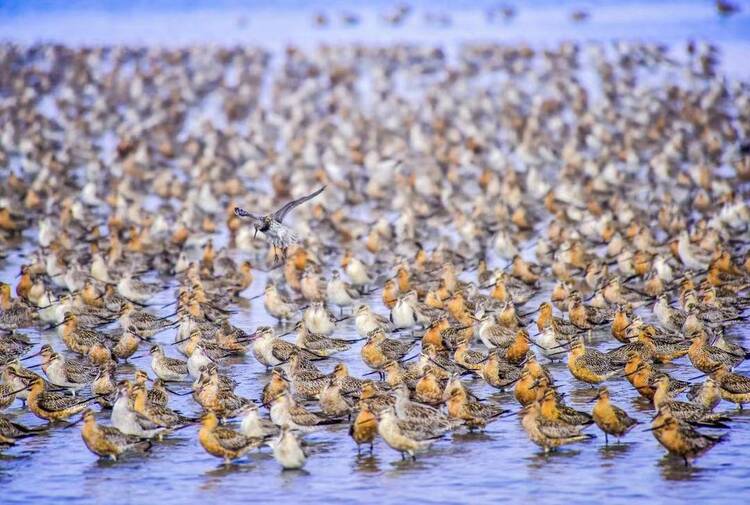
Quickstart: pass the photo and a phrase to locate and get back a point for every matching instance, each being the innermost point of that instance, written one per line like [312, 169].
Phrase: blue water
[498, 465]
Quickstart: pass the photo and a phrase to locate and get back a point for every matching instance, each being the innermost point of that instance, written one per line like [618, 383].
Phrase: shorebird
[733, 387]
[552, 408]
[17, 380]
[255, 426]
[223, 442]
[318, 319]
[332, 402]
[680, 438]
[276, 304]
[684, 411]
[611, 419]
[77, 338]
[364, 427]
[107, 441]
[136, 290]
[144, 324]
[11, 430]
[286, 412]
[473, 413]
[498, 373]
[166, 368]
[356, 270]
[126, 419]
[73, 375]
[589, 365]
[14, 314]
[707, 394]
[379, 349]
[287, 450]
[340, 293]
[430, 418]
[52, 406]
[706, 357]
[160, 415]
[366, 321]
[279, 235]
[321, 345]
[405, 436]
[13, 345]
[549, 434]
[428, 388]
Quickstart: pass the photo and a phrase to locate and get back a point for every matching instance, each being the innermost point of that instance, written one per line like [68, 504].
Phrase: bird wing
[176, 365]
[230, 439]
[79, 372]
[280, 214]
[417, 430]
[736, 384]
[554, 429]
[303, 417]
[57, 401]
[119, 437]
[482, 410]
[240, 212]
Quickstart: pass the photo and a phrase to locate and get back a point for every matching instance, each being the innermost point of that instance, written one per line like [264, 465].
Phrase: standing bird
[287, 450]
[612, 420]
[280, 236]
[224, 442]
[680, 438]
[108, 441]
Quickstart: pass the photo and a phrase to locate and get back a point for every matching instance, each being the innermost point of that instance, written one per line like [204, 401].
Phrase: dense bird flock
[486, 212]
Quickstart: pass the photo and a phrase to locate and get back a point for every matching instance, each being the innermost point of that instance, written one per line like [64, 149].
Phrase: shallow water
[499, 464]
[481, 468]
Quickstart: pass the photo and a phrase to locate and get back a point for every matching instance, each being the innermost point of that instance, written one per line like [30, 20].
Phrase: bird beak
[15, 392]
[32, 356]
[660, 426]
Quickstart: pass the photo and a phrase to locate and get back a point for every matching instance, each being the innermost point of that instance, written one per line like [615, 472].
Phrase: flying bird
[280, 236]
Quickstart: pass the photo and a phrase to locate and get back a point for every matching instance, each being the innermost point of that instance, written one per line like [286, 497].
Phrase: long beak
[403, 360]
[32, 367]
[105, 323]
[530, 313]
[167, 316]
[15, 392]
[74, 423]
[32, 356]
[655, 427]
[56, 325]
[632, 373]
[176, 393]
[180, 340]
[528, 339]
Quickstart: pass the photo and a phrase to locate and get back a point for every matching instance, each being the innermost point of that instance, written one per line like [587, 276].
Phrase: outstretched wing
[283, 211]
[240, 212]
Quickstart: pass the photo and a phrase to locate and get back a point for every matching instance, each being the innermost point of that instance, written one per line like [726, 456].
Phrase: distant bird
[280, 236]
